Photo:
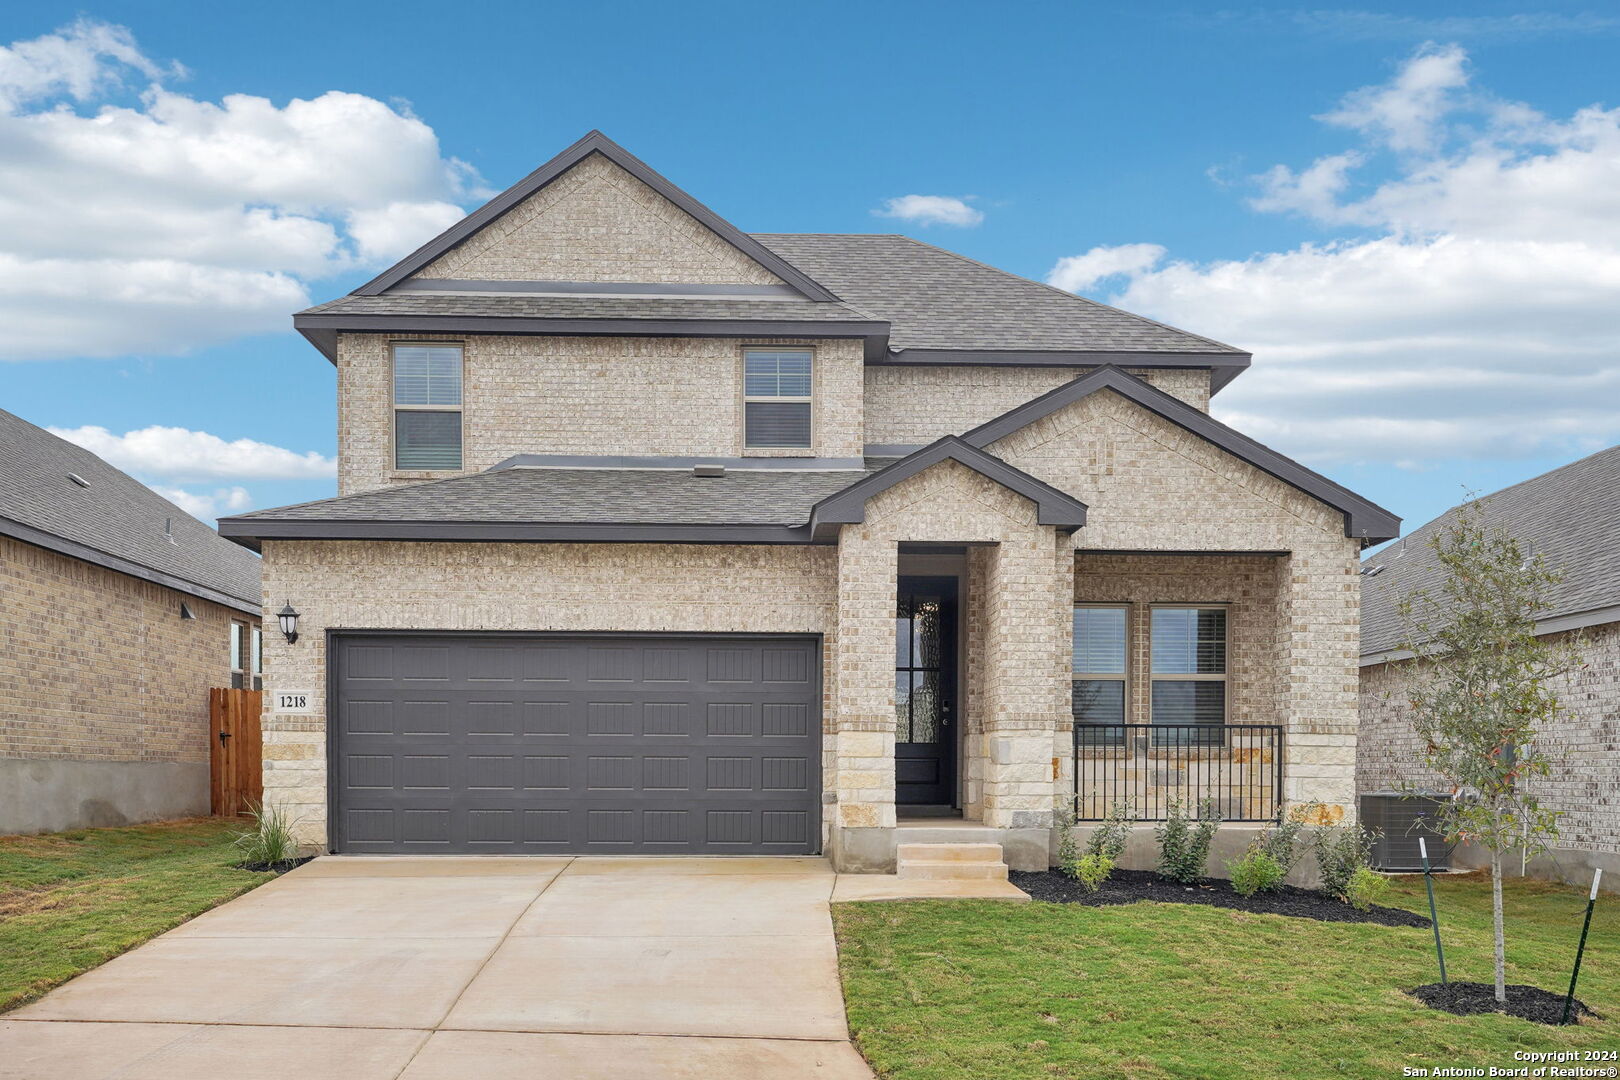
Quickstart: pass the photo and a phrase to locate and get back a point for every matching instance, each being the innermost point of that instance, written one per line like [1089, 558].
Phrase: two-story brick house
[654, 536]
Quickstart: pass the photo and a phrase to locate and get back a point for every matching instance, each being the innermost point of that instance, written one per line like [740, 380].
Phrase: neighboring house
[118, 612]
[655, 536]
[1570, 516]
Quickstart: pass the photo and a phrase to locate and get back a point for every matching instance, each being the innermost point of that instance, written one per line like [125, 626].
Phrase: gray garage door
[469, 743]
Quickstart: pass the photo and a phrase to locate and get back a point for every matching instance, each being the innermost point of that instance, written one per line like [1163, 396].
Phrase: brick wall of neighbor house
[1153, 486]
[585, 587]
[598, 223]
[916, 405]
[103, 693]
[585, 395]
[1584, 745]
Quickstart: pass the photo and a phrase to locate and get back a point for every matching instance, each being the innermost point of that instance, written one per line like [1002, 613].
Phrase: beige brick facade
[597, 223]
[1583, 745]
[97, 665]
[916, 405]
[586, 395]
[1231, 535]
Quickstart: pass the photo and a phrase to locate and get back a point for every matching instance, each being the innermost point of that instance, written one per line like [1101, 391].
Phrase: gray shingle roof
[1570, 515]
[587, 496]
[115, 517]
[585, 307]
[937, 299]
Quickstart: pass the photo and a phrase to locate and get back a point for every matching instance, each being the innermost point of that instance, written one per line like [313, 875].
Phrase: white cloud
[931, 210]
[1469, 311]
[177, 453]
[207, 506]
[1076, 272]
[161, 223]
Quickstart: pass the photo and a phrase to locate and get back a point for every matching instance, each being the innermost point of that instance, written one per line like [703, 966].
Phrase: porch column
[1319, 627]
[863, 696]
[1028, 582]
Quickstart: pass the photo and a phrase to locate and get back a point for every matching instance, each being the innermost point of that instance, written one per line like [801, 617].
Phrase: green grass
[983, 990]
[70, 901]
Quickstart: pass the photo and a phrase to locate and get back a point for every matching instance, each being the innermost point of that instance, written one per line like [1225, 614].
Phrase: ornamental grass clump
[1184, 845]
[270, 840]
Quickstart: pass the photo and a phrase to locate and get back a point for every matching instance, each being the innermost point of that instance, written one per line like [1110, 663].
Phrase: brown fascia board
[75, 550]
[594, 143]
[848, 507]
[1363, 520]
[321, 329]
[1223, 366]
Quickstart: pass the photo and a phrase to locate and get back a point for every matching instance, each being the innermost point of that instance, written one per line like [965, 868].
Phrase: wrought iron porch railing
[1237, 766]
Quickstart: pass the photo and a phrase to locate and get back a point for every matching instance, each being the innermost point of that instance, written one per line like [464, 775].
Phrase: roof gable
[848, 507]
[521, 235]
[1363, 519]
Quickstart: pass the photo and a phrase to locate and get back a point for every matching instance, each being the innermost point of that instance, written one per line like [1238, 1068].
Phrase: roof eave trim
[1223, 366]
[251, 532]
[848, 507]
[322, 328]
[1553, 624]
[28, 534]
[595, 143]
[1363, 520]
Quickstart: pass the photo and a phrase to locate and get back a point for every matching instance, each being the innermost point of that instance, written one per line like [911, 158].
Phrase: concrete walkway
[442, 969]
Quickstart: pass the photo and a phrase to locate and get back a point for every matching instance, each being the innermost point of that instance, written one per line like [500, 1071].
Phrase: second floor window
[776, 399]
[427, 407]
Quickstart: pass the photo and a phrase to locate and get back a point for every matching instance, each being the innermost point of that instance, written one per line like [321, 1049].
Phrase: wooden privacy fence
[237, 751]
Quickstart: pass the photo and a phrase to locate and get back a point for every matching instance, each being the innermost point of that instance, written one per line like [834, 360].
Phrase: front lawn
[70, 901]
[984, 990]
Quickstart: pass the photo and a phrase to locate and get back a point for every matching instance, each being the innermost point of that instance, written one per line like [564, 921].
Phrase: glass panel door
[924, 688]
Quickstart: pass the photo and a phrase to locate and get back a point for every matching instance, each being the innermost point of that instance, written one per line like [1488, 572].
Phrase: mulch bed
[274, 867]
[1525, 1002]
[1129, 886]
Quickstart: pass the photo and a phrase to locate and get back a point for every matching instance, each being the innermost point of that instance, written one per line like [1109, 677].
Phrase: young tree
[1479, 690]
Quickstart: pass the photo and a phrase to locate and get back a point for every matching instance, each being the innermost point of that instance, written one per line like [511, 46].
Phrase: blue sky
[1408, 213]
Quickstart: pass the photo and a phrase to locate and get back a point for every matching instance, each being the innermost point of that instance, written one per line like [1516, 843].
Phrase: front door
[925, 691]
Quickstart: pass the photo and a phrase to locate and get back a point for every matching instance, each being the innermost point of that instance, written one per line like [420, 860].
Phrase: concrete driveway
[441, 969]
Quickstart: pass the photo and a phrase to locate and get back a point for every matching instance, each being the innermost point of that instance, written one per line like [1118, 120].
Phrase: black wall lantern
[289, 622]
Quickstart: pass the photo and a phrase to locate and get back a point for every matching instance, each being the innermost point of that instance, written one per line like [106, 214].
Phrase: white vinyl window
[240, 663]
[1189, 673]
[776, 398]
[427, 407]
[1100, 692]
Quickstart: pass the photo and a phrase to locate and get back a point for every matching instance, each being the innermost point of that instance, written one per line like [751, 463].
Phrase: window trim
[1225, 676]
[240, 662]
[744, 397]
[1123, 677]
[395, 408]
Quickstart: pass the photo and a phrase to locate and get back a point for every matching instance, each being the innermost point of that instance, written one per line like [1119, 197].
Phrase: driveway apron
[545, 969]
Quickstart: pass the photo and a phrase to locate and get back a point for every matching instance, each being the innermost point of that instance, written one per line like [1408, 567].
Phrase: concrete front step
[947, 871]
[990, 853]
[945, 862]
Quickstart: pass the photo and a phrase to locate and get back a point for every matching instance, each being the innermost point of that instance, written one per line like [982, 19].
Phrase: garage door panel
[469, 744]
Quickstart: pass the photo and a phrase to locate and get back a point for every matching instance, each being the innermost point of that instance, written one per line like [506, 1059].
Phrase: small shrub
[1092, 870]
[1068, 849]
[1183, 846]
[1341, 850]
[271, 839]
[1365, 888]
[1108, 838]
[1281, 841]
[1255, 872]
